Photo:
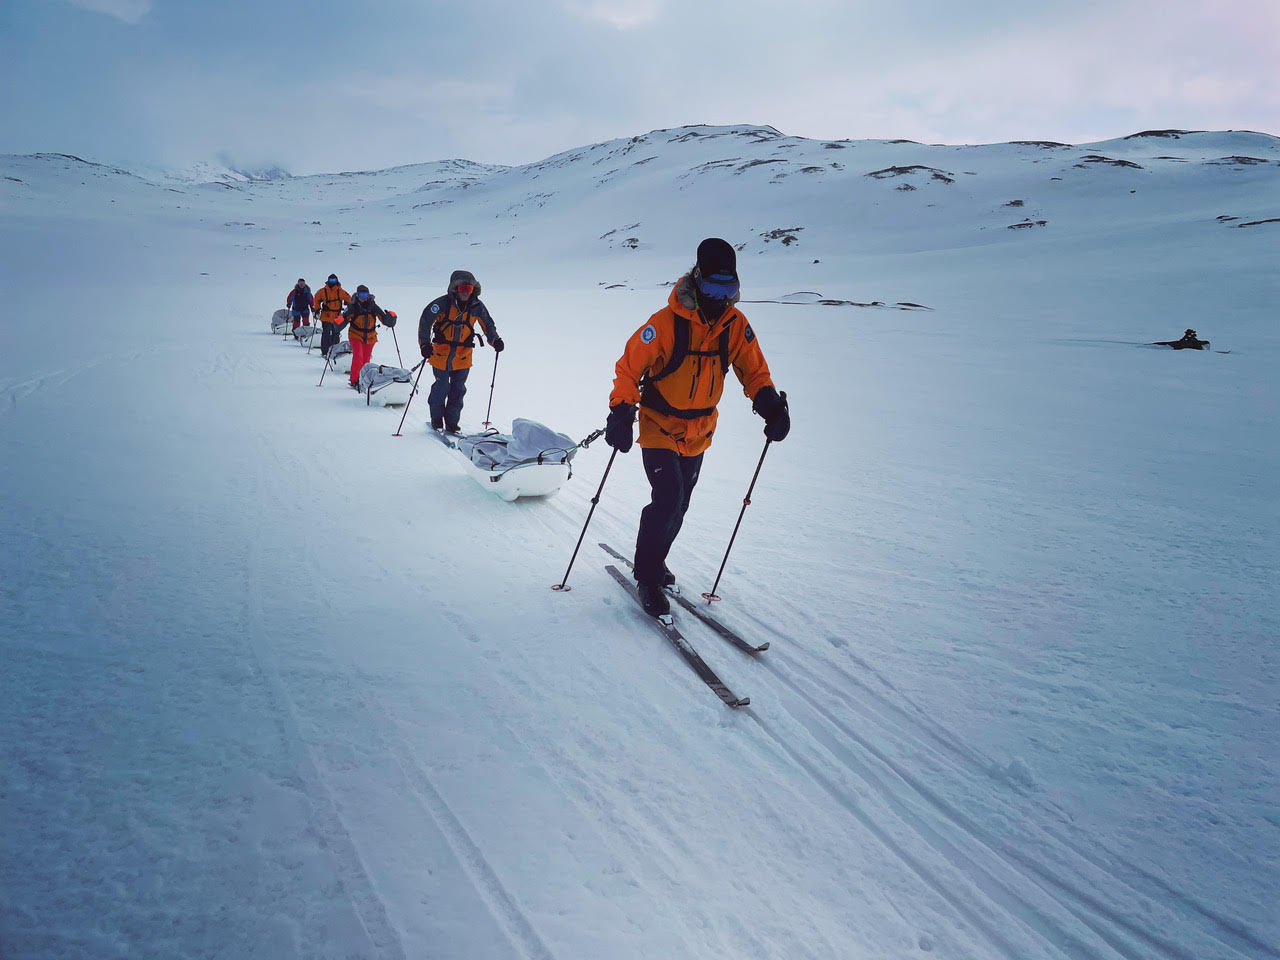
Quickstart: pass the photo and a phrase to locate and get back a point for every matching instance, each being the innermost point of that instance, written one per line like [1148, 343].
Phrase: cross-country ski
[666, 626]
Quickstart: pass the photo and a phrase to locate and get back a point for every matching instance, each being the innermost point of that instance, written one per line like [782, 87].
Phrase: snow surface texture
[277, 684]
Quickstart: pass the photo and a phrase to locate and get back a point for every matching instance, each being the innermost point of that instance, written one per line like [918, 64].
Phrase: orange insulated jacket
[330, 301]
[674, 369]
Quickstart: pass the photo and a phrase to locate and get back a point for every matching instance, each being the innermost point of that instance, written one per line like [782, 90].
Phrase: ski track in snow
[358, 885]
[919, 724]
[504, 907]
[838, 739]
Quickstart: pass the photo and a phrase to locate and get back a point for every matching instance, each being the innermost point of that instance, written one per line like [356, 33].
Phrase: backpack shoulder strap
[679, 350]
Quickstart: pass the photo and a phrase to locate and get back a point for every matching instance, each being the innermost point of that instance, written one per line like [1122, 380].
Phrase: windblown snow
[279, 684]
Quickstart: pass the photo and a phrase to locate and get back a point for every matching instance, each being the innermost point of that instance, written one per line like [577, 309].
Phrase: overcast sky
[322, 85]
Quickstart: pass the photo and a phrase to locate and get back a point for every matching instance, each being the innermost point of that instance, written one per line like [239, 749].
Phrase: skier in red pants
[362, 315]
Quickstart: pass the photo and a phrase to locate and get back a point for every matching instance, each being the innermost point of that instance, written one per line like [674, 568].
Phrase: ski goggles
[363, 295]
[331, 283]
[466, 289]
[718, 286]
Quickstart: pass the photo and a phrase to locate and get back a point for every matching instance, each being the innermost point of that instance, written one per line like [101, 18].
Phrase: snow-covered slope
[279, 684]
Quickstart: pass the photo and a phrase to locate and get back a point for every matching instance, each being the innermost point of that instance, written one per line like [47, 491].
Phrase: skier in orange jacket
[362, 315]
[447, 332]
[329, 304]
[673, 371]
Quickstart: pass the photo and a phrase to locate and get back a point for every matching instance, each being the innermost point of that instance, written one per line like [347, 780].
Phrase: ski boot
[653, 598]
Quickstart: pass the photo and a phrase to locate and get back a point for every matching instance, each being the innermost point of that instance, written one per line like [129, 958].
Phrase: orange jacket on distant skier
[363, 317]
[448, 326]
[331, 301]
[677, 378]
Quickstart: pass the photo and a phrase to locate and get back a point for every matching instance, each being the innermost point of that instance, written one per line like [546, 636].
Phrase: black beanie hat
[717, 256]
[362, 289]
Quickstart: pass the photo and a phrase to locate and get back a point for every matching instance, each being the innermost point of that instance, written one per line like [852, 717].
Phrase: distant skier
[446, 335]
[673, 369]
[362, 315]
[329, 304]
[299, 301]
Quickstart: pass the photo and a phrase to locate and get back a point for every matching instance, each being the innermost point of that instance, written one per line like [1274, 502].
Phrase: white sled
[304, 334]
[384, 385]
[282, 322]
[339, 358]
[531, 461]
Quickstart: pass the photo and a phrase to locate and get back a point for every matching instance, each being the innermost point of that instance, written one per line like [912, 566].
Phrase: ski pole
[394, 340]
[746, 502]
[491, 383]
[594, 500]
[313, 335]
[327, 360]
[412, 393]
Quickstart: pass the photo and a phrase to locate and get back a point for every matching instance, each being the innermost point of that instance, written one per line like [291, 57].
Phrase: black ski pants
[671, 479]
[328, 337]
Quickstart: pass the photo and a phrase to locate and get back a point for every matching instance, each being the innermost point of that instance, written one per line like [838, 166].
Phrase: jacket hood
[464, 276]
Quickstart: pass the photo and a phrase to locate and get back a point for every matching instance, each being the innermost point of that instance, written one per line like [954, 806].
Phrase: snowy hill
[279, 684]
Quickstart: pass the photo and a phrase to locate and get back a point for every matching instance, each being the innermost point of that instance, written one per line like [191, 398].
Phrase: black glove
[425, 350]
[342, 326]
[617, 429]
[776, 413]
[389, 318]
[497, 344]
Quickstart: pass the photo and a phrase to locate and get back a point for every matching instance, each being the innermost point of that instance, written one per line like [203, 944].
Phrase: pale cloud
[1111, 71]
[129, 11]
[621, 14]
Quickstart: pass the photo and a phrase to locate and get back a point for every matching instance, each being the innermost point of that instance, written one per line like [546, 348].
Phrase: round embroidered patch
[435, 308]
[648, 334]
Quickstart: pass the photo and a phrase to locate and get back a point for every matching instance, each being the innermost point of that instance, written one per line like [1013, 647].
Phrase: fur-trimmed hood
[464, 276]
[684, 294]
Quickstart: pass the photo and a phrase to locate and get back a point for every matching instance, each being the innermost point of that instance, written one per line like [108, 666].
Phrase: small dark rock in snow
[785, 234]
[1098, 158]
[756, 163]
[1236, 161]
[913, 168]
[1170, 134]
